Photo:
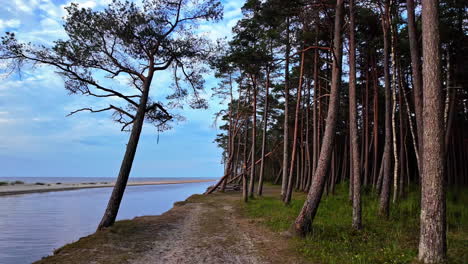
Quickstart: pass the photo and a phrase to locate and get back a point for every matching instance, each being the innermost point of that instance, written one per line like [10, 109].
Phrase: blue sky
[37, 139]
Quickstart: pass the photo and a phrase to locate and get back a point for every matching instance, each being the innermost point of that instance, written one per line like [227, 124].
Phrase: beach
[55, 187]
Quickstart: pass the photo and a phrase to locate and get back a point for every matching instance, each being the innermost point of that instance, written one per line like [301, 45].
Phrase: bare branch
[120, 110]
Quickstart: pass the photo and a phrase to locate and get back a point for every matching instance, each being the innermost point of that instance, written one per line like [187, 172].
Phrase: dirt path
[192, 242]
[203, 229]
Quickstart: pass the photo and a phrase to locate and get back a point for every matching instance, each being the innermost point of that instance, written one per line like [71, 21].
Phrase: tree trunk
[284, 183]
[303, 222]
[254, 137]
[113, 205]
[413, 135]
[287, 199]
[315, 140]
[394, 99]
[376, 126]
[403, 133]
[366, 131]
[385, 191]
[308, 166]
[432, 240]
[265, 123]
[416, 71]
[353, 122]
[245, 191]
[231, 140]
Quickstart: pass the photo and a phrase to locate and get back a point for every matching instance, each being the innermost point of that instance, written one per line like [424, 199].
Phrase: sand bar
[55, 187]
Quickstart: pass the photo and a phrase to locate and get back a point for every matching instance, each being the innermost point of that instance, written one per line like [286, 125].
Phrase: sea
[33, 225]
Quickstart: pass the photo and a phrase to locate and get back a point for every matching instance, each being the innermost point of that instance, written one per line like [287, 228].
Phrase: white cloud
[33, 109]
[25, 6]
[88, 4]
[6, 120]
[11, 23]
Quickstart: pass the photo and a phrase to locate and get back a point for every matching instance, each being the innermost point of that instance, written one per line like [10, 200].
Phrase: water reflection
[33, 225]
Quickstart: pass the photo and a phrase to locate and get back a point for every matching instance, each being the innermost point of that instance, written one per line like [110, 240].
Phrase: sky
[37, 139]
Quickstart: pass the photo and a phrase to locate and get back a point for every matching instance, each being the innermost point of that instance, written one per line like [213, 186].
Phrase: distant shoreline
[55, 187]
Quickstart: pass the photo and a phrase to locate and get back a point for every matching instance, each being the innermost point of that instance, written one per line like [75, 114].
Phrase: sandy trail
[192, 242]
[203, 229]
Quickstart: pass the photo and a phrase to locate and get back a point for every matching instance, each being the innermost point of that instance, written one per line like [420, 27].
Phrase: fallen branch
[239, 175]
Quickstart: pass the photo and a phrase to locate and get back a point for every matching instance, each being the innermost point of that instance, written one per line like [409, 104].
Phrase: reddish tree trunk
[287, 199]
[254, 137]
[432, 240]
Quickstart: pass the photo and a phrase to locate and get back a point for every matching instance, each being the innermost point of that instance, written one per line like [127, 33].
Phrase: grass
[380, 241]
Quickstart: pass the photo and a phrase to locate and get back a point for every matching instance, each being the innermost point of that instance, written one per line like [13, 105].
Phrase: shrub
[17, 182]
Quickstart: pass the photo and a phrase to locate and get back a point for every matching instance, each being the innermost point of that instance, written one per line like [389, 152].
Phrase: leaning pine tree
[130, 41]
[302, 225]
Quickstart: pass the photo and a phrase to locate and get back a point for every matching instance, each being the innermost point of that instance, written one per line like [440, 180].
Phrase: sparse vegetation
[17, 182]
[2, 183]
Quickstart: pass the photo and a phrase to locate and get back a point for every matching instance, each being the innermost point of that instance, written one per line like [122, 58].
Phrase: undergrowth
[380, 241]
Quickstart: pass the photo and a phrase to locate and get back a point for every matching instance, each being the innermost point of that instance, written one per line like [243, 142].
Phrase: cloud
[33, 108]
[11, 23]
[25, 6]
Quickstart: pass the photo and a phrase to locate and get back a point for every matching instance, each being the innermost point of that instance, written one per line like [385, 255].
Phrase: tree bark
[394, 101]
[303, 222]
[376, 126]
[113, 205]
[287, 199]
[432, 240]
[366, 131]
[284, 183]
[315, 140]
[353, 122]
[265, 124]
[385, 191]
[416, 71]
[245, 191]
[254, 136]
[231, 139]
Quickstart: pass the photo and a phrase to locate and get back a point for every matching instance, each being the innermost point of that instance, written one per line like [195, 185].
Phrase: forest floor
[392, 240]
[202, 229]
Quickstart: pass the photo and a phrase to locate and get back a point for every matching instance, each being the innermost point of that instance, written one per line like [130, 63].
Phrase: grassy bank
[381, 241]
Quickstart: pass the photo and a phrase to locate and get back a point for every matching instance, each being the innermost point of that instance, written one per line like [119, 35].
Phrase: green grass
[380, 241]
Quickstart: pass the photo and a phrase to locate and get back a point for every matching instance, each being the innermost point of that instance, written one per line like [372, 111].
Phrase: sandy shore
[208, 229]
[54, 187]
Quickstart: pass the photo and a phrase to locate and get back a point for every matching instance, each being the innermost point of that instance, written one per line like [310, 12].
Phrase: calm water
[90, 179]
[33, 225]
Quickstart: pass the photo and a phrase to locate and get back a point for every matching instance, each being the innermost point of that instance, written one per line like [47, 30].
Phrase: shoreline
[209, 228]
[18, 189]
